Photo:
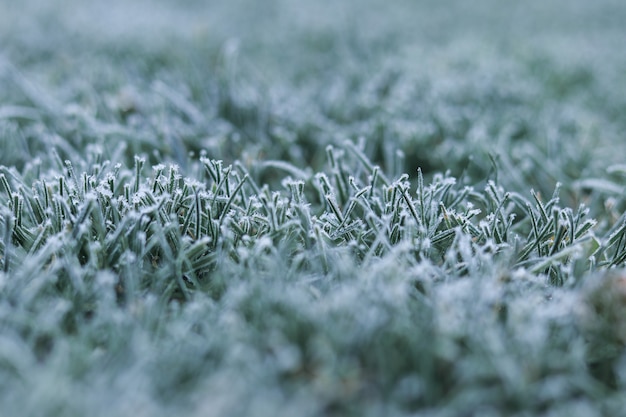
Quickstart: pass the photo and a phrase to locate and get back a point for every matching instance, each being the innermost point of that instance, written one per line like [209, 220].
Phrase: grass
[312, 210]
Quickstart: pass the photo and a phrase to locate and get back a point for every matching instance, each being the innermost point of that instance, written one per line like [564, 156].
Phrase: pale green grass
[287, 209]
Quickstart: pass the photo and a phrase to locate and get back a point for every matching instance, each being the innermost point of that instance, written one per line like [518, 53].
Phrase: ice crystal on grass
[238, 209]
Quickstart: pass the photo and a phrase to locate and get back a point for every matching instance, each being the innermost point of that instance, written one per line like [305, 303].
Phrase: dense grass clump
[314, 210]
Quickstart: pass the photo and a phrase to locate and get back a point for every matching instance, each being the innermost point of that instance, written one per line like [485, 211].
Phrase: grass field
[289, 208]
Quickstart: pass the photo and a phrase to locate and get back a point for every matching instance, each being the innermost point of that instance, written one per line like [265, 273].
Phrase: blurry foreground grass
[283, 209]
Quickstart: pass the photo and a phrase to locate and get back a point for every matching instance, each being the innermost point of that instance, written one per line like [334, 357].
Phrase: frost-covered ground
[215, 208]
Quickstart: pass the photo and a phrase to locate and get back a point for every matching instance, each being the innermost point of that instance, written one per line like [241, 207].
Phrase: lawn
[290, 208]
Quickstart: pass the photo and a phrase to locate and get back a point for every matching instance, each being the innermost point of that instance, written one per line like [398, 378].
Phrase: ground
[285, 208]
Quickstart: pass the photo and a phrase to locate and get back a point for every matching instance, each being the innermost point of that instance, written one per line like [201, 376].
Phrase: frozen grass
[312, 210]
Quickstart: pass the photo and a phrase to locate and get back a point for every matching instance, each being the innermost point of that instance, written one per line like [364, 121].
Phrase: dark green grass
[314, 210]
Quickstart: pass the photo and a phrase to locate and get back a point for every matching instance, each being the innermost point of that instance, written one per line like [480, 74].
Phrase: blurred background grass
[538, 85]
